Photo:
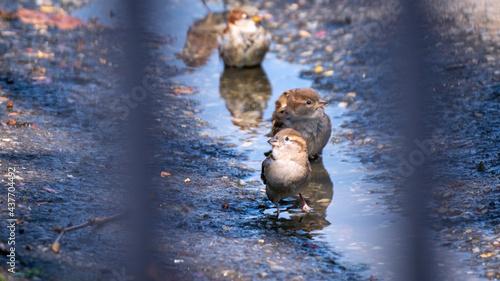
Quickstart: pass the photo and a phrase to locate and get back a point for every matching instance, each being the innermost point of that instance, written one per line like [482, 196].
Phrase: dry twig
[90, 222]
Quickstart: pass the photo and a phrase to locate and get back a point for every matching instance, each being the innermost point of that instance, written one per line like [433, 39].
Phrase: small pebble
[276, 268]
[262, 275]
[304, 33]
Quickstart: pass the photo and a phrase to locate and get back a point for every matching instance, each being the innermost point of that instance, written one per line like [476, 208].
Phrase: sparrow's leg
[278, 208]
[305, 207]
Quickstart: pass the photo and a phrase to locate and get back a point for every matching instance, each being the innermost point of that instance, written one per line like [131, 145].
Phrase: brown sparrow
[244, 42]
[286, 171]
[303, 111]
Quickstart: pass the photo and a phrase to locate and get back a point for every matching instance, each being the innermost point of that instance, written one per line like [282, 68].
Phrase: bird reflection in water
[319, 195]
[246, 92]
[201, 38]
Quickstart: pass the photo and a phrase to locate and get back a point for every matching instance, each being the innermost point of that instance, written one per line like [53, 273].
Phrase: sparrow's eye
[308, 102]
[287, 139]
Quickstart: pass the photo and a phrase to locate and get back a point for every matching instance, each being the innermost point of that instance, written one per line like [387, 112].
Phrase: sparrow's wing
[265, 163]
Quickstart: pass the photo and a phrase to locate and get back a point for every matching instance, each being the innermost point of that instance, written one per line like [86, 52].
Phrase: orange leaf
[45, 55]
[47, 9]
[33, 17]
[62, 21]
[66, 22]
[56, 246]
[183, 91]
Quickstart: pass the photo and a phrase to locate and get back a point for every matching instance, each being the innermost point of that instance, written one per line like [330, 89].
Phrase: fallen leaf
[11, 122]
[33, 17]
[183, 91]
[9, 104]
[328, 73]
[47, 9]
[51, 190]
[102, 61]
[41, 54]
[56, 246]
[13, 113]
[164, 174]
[66, 22]
[3, 99]
[62, 21]
[187, 180]
[225, 205]
[486, 255]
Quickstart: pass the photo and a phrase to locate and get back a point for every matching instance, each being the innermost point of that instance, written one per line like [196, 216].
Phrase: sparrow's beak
[321, 103]
[257, 18]
[273, 141]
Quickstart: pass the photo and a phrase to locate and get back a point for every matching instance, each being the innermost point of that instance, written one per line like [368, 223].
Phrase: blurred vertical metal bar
[414, 89]
[138, 140]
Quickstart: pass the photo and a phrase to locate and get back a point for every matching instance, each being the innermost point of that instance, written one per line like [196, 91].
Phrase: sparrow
[244, 42]
[286, 171]
[303, 111]
[246, 92]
